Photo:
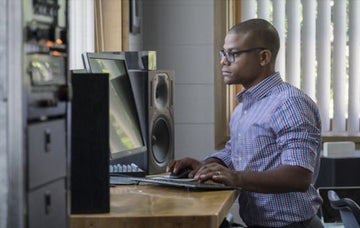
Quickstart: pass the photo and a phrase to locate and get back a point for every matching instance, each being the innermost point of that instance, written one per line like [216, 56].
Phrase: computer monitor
[125, 133]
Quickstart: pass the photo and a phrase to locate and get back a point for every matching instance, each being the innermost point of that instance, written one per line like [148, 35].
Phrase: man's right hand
[174, 166]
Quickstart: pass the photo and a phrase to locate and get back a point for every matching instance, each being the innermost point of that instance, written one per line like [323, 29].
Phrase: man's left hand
[217, 173]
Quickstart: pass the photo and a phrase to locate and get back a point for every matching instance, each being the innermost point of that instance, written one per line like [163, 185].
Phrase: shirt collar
[261, 89]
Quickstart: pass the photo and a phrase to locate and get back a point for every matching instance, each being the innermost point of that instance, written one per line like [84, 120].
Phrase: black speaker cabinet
[90, 143]
[338, 172]
[329, 214]
[153, 93]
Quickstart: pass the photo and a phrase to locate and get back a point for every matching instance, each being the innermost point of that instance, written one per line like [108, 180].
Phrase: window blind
[81, 34]
[354, 67]
[320, 45]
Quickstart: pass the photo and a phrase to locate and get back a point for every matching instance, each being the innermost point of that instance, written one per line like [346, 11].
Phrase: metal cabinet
[47, 152]
[45, 109]
[47, 206]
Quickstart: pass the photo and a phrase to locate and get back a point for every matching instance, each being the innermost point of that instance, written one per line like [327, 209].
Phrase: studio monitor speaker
[161, 120]
[154, 95]
[90, 143]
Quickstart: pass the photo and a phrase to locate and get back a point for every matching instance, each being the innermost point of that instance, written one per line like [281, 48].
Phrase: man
[274, 150]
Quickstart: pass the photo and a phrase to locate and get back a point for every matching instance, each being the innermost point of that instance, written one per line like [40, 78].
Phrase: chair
[349, 210]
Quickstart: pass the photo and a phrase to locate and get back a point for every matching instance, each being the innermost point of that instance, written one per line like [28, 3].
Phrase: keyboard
[121, 180]
[126, 169]
[187, 184]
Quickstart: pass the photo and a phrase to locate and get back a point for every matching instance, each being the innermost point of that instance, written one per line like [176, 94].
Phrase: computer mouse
[181, 174]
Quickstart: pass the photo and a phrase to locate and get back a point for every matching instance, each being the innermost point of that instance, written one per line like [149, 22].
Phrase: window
[81, 31]
[97, 25]
[320, 54]
[227, 15]
[111, 25]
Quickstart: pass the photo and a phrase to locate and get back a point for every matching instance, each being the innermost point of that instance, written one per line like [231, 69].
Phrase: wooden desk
[149, 205]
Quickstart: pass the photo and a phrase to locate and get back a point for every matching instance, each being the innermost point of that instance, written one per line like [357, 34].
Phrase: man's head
[261, 34]
[250, 49]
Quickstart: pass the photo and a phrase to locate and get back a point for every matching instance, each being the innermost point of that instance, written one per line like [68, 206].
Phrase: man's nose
[223, 61]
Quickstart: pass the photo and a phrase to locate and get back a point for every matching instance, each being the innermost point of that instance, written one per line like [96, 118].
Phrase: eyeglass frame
[233, 53]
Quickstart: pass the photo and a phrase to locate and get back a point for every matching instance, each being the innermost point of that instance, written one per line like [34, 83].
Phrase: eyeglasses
[230, 55]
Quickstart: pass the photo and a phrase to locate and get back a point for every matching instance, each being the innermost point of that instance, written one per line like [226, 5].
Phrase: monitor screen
[125, 133]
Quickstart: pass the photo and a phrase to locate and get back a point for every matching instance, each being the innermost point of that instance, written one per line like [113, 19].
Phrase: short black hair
[262, 33]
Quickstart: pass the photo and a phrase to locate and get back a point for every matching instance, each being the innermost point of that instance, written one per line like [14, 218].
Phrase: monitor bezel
[113, 56]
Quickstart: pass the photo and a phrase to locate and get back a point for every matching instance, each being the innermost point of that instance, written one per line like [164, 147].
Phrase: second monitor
[144, 99]
[125, 134]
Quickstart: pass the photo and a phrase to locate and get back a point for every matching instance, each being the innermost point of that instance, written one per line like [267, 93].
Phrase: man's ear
[265, 57]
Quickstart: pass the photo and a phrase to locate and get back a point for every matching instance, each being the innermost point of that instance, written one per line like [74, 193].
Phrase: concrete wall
[3, 116]
[182, 33]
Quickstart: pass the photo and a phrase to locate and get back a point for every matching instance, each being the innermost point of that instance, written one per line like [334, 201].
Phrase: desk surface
[149, 205]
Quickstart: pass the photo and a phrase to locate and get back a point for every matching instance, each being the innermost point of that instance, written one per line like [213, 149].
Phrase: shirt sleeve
[224, 155]
[297, 125]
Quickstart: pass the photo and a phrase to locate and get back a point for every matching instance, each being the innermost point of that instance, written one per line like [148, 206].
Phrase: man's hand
[175, 166]
[204, 170]
[217, 173]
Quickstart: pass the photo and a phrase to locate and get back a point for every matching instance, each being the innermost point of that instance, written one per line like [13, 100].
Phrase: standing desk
[150, 205]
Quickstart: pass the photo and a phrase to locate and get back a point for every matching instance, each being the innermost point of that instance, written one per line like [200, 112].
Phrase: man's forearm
[282, 179]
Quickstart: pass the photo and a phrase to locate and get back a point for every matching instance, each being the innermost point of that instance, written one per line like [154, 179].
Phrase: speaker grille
[90, 144]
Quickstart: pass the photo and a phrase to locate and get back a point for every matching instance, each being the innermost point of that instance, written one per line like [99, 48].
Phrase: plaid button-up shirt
[274, 124]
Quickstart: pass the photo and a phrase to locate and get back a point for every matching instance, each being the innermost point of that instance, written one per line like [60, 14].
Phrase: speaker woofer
[160, 139]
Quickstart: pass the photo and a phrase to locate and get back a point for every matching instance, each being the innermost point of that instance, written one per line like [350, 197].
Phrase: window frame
[226, 15]
[111, 27]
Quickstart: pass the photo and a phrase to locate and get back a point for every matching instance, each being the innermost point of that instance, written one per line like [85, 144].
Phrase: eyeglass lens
[228, 55]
